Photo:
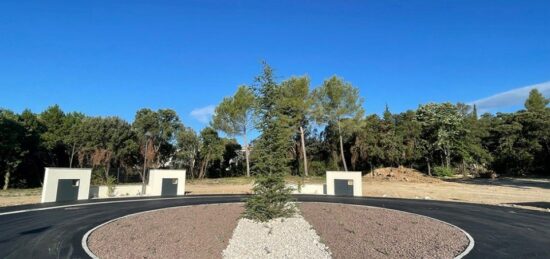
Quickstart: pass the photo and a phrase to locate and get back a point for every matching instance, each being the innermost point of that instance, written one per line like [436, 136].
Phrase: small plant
[271, 199]
[442, 171]
[111, 184]
[317, 168]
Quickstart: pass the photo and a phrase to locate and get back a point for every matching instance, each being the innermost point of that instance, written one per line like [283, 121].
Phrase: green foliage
[234, 116]
[325, 129]
[211, 148]
[271, 197]
[188, 145]
[536, 101]
[159, 129]
[99, 179]
[296, 104]
[317, 168]
[335, 101]
[442, 171]
[12, 134]
[442, 129]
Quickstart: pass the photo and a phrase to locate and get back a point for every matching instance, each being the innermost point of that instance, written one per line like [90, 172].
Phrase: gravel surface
[349, 231]
[278, 238]
[366, 232]
[186, 232]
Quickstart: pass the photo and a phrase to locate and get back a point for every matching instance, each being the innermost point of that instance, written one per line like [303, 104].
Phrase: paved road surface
[50, 232]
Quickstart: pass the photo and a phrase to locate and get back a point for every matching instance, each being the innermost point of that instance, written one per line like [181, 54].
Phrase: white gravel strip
[279, 238]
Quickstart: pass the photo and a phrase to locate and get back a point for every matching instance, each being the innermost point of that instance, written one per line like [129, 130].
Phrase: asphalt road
[50, 232]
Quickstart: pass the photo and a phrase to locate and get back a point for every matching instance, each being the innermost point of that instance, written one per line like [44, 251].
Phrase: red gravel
[185, 232]
[366, 232]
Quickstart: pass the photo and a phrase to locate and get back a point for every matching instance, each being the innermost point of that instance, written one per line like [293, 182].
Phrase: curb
[84, 242]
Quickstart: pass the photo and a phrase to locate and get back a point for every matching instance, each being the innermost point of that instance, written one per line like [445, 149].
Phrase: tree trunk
[72, 155]
[6, 180]
[192, 168]
[304, 152]
[448, 158]
[246, 155]
[107, 168]
[342, 147]
[204, 166]
[429, 167]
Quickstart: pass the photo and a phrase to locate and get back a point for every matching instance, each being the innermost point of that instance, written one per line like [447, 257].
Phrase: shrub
[317, 168]
[442, 171]
[271, 199]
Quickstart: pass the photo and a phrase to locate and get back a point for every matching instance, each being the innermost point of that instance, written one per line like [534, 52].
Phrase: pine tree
[536, 101]
[271, 197]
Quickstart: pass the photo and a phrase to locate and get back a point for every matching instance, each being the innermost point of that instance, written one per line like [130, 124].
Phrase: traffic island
[345, 231]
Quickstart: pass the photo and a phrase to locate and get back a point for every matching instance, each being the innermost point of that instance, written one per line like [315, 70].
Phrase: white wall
[102, 191]
[307, 189]
[354, 176]
[53, 175]
[155, 180]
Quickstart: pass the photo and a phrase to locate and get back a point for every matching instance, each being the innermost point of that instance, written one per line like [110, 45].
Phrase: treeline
[114, 148]
[303, 131]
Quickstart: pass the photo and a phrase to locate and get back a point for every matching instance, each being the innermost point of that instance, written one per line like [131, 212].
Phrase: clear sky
[114, 57]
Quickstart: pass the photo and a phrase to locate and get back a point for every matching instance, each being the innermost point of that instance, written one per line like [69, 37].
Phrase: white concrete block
[53, 175]
[155, 180]
[124, 190]
[307, 189]
[356, 177]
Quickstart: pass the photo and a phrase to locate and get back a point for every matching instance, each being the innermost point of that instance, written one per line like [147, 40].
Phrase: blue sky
[114, 57]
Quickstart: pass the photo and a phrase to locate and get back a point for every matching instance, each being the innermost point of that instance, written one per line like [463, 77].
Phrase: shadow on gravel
[521, 183]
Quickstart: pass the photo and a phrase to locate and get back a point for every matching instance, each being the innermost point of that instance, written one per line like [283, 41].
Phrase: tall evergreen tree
[271, 197]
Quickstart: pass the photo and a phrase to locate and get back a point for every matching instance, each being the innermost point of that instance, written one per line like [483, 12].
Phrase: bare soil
[400, 174]
[185, 232]
[366, 232]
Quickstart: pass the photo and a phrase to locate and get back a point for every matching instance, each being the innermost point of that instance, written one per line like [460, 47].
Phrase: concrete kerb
[468, 249]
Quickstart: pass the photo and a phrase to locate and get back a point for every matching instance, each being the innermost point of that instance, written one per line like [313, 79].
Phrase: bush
[317, 168]
[271, 199]
[442, 171]
[99, 179]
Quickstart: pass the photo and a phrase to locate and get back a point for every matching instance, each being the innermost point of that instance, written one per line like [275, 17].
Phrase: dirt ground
[184, 232]
[349, 232]
[501, 191]
[13, 197]
[366, 232]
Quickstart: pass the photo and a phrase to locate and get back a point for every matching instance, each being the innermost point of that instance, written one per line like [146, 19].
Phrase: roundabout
[57, 230]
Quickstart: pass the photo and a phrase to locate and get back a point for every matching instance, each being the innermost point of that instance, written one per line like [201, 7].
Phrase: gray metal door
[67, 190]
[343, 187]
[169, 187]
